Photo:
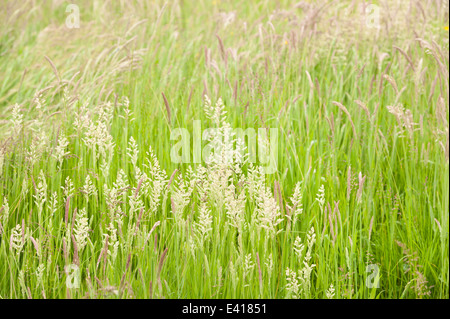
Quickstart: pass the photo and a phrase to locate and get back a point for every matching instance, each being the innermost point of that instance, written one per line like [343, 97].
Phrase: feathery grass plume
[192, 244]
[40, 142]
[222, 138]
[235, 207]
[255, 180]
[292, 285]
[17, 119]
[105, 112]
[81, 229]
[320, 197]
[412, 267]
[158, 177]
[300, 284]
[17, 239]
[121, 182]
[404, 119]
[112, 198]
[143, 181]
[32, 155]
[68, 188]
[82, 118]
[99, 140]
[298, 248]
[135, 202]
[268, 212]
[88, 188]
[219, 178]
[201, 182]
[240, 155]
[217, 113]
[296, 208]
[226, 159]
[122, 186]
[52, 208]
[128, 117]
[39, 275]
[420, 287]
[106, 162]
[269, 263]
[348, 260]
[60, 150]
[111, 242]
[4, 212]
[307, 269]
[311, 239]
[191, 177]
[249, 265]
[41, 192]
[133, 151]
[203, 227]
[181, 194]
[233, 274]
[53, 203]
[330, 292]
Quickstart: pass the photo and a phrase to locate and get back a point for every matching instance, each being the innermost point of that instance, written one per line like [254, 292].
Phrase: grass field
[93, 204]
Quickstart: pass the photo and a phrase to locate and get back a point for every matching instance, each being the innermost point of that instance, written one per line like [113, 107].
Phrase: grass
[361, 111]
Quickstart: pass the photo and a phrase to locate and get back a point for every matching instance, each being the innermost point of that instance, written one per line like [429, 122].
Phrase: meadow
[93, 204]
